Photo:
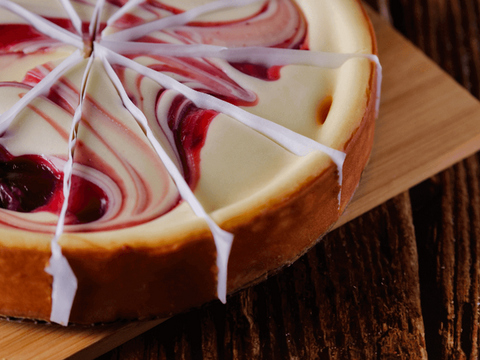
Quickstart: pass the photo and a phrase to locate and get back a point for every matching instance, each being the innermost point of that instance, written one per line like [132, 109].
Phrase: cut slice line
[128, 6]
[65, 282]
[223, 239]
[96, 16]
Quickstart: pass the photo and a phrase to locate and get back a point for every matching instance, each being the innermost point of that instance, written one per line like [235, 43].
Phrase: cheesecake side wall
[142, 283]
[25, 287]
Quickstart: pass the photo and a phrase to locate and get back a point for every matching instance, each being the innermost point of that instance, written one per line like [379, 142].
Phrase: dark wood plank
[447, 220]
[447, 206]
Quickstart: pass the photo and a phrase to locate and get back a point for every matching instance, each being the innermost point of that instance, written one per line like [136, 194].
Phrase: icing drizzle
[108, 51]
[44, 26]
[64, 281]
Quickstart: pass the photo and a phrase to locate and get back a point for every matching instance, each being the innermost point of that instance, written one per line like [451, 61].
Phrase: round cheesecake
[159, 155]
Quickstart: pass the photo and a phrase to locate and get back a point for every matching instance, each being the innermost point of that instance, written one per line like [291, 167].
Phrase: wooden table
[399, 282]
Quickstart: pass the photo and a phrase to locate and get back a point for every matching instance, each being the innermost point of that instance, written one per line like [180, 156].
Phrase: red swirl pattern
[109, 187]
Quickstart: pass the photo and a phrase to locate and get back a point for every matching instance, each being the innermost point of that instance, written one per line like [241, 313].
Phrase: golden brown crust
[138, 283]
[26, 287]
[142, 283]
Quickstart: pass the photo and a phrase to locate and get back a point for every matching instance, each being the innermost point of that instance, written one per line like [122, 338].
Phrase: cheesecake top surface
[229, 119]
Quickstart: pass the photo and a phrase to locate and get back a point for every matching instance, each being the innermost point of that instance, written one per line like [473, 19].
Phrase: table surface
[401, 281]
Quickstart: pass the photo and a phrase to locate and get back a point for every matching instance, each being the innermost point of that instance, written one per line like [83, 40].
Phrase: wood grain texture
[432, 140]
[447, 211]
[27, 340]
[447, 206]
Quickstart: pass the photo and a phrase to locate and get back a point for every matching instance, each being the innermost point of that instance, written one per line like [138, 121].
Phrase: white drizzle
[257, 55]
[42, 88]
[123, 10]
[44, 26]
[174, 20]
[72, 14]
[65, 283]
[96, 16]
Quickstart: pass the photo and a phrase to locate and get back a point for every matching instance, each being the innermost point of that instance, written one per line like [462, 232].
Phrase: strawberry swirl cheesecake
[157, 155]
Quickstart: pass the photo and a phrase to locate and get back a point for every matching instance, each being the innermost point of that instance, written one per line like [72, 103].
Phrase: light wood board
[427, 123]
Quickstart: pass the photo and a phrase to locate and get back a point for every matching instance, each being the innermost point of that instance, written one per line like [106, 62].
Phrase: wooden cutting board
[427, 123]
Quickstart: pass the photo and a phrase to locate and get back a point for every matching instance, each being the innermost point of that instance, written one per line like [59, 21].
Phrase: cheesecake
[158, 155]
